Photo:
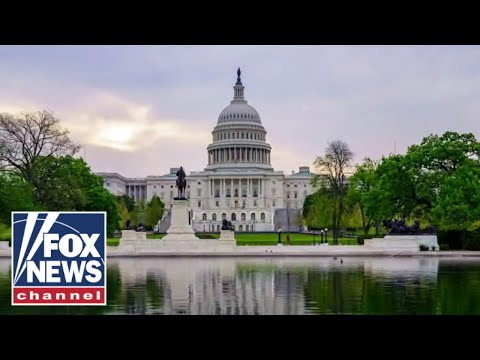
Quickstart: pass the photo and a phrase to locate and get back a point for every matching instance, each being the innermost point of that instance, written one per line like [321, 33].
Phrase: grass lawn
[258, 239]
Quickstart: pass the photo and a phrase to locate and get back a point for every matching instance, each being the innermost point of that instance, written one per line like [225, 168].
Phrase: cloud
[142, 109]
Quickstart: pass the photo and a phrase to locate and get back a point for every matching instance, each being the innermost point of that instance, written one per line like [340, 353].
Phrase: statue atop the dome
[239, 81]
[181, 184]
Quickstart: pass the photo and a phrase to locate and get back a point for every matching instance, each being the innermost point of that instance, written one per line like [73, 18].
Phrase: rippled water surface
[278, 286]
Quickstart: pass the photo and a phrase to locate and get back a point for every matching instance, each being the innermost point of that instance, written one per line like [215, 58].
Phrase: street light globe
[326, 229]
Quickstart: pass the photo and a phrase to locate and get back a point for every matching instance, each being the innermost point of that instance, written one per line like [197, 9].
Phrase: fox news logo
[58, 258]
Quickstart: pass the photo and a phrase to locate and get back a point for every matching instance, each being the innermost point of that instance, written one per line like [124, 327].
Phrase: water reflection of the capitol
[224, 286]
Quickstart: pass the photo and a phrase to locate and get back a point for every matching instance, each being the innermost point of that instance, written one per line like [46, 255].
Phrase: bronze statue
[227, 225]
[239, 80]
[399, 227]
[181, 184]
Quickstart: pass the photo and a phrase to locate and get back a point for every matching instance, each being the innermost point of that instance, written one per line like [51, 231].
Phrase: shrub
[423, 248]
[444, 247]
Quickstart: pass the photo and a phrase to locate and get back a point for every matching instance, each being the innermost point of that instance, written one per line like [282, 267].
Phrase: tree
[64, 185]
[319, 214]
[69, 185]
[332, 175]
[30, 138]
[15, 195]
[457, 206]
[361, 183]
[154, 211]
[100, 199]
[123, 214]
[129, 202]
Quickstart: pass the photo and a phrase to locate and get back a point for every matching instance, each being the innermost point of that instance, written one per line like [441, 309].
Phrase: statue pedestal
[131, 239]
[227, 237]
[404, 242]
[181, 225]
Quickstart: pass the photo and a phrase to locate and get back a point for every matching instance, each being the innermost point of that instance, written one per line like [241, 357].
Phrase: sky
[140, 110]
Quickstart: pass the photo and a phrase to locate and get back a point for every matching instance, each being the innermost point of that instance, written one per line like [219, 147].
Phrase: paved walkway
[265, 251]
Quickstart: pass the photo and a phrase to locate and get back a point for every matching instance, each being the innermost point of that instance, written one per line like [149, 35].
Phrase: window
[254, 202]
[246, 228]
[295, 194]
[242, 135]
[295, 185]
[162, 195]
[161, 186]
[236, 204]
[204, 217]
[108, 184]
[154, 186]
[288, 185]
[243, 216]
[224, 216]
[199, 203]
[262, 216]
[229, 135]
[198, 183]
[234, 217]
[288, 194]
[218, 227]
[273, 182]
[273, 203]
[171, 186]
[274, 192]
[199, 192]
[252, 216]
[217, 204]
[304, 185]
[240, 228]
[214, 217]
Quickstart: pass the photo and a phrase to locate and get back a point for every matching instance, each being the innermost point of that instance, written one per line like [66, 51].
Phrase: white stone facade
[238, 182]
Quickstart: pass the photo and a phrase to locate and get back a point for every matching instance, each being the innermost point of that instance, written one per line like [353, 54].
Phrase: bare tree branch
[332, 169]
[28, 138]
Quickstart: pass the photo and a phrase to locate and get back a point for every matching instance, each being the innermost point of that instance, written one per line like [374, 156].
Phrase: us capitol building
[238, 183]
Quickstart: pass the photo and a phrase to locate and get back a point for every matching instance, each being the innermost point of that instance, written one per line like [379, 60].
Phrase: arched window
[218, 227]
[204, 216]
[240, 228]
[262, 216]
[243, 216]
[234, 217]
[224, 216]
[252, 217]
[246, 228]
[214, 217]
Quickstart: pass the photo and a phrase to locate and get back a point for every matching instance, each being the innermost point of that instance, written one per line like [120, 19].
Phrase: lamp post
[321, 236]
[326, 232]
[314, 237]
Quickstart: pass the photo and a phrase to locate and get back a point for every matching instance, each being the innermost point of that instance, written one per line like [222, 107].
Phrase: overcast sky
[139, 110]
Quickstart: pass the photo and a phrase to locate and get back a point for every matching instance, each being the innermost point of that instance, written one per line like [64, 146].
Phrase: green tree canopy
[154, 211]
[15, 195]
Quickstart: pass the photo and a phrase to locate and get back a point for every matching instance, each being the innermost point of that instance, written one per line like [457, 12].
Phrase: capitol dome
[239, 110]
[239, 138]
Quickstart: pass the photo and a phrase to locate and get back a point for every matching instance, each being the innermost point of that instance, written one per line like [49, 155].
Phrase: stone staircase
[285, 216]
[166, 221]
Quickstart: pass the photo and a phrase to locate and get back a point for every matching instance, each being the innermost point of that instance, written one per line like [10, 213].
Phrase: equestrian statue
[181, 184]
